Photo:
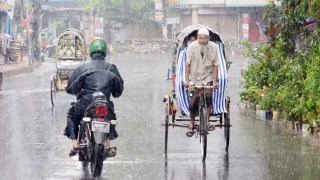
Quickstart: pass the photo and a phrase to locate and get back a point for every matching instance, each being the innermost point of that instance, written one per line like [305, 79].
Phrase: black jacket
[97, 75]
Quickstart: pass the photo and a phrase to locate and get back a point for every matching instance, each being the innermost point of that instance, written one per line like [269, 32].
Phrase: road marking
[8, 92]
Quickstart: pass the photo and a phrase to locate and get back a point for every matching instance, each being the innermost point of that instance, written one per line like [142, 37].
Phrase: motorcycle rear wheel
[97, 160]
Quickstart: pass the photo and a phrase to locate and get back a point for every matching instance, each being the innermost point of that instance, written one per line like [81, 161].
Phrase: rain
[141, 38]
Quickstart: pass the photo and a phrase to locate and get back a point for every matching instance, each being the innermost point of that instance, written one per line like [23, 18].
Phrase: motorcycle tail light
[100, 119]
[101, 111]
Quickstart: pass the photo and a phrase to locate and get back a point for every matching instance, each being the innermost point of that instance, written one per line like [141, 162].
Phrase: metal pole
[92, 24]
[28, 35]
[164, 20]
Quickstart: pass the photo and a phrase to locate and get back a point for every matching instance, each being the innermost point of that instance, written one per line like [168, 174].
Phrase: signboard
[158, 11]
[245, 26]
[98, 25]
[5, 7]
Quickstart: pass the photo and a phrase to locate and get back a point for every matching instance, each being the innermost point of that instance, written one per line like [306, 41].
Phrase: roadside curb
[21, 70]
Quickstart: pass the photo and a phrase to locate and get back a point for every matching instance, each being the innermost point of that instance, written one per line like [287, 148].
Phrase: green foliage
[287, 70]
[268, 100]
[121, 9]
[252, 94]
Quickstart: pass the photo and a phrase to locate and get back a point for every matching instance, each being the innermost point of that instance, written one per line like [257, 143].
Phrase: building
[234, 19]
[58, 15]
[6, 10]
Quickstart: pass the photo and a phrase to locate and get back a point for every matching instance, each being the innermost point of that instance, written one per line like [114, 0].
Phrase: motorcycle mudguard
[99, 137]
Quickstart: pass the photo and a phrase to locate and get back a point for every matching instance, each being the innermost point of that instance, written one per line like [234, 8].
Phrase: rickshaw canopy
[71, 45]
[182, 37]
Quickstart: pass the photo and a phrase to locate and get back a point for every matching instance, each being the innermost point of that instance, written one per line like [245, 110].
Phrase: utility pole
[92, 24]
[25, 15]
[164, 21]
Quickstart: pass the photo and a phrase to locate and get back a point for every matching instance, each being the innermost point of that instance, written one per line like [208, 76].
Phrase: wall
[148, 30]
[226, 22]
[71, 19]
[185, 20]
[226, 25]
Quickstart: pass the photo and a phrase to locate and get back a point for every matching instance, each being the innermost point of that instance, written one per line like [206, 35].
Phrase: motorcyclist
[90, 77]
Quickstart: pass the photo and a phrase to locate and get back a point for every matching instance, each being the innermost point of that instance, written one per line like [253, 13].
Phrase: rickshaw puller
[201, 69]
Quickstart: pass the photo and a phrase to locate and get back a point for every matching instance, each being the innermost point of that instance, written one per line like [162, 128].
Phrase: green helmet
[98, 45]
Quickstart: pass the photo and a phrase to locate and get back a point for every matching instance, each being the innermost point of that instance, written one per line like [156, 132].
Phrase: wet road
[32, 145]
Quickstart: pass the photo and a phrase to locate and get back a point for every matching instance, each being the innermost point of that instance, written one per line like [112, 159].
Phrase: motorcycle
[99, 120]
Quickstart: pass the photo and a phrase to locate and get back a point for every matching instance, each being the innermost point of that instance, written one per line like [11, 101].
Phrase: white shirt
[201, 67]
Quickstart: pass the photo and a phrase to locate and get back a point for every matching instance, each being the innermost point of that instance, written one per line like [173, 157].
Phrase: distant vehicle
[70, 53]
[47, 43]
[50, 49]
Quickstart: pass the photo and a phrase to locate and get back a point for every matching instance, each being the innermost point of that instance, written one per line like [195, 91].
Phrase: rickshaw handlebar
[202, 87]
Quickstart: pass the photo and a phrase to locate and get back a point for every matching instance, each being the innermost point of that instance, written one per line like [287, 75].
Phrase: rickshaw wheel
[203, 131]
[166, 133]
[53, 91]
[227, 125]
[227, 133]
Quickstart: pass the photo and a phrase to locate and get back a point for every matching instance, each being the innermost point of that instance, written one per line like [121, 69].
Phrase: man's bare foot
[190, 132]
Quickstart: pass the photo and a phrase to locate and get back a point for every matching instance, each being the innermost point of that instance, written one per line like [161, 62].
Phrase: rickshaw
[177, 100]
[71, 52]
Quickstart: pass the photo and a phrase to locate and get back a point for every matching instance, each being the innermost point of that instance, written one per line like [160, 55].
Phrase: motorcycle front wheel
[97, 160]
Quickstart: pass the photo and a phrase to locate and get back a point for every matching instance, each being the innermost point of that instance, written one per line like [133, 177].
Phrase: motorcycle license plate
[100, 126]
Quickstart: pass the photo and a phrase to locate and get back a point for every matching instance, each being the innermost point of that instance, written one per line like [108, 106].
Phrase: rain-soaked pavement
[32, 145]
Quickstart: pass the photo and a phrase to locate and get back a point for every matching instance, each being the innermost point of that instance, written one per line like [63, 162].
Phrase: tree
[290, 64]
[131, 10]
